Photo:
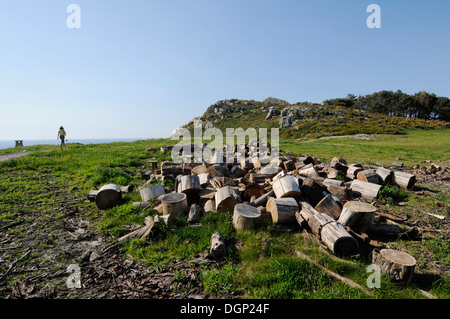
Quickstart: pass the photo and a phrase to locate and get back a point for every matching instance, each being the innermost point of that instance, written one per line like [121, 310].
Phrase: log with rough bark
[217, 249]
[262, 200]
[308, 171]
[353, 170]
[331, 233]
[227, 197]
[253, 189]
[152, 192]
[169, 168]
[367, 191]
[199, 169]
[329, 206]
[219, 170]
[397, 264]
[204, 179]
[343, 192]
[385, 175]
[108, 196]
[357, 215]
[282, 209]
[369, 176]
[245, 217]
[188, 184]
[237, 171]
[174, 205]
[314, 190]
[287, 186]
[404, 180]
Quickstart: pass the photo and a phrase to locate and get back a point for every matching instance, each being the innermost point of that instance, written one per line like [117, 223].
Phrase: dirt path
[7, 157]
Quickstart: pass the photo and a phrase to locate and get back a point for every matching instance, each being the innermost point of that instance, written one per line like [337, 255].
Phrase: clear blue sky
[139, 69]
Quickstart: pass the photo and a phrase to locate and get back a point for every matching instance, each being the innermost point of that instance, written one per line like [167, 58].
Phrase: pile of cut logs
[331, 200]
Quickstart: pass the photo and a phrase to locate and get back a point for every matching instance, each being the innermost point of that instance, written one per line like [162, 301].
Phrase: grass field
[30, 184]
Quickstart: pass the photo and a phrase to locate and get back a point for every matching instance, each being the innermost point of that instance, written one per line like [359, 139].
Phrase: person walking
[62, 135]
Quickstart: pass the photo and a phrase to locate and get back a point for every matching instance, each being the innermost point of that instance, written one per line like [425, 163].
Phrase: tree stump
[386, 175]
[404, 180]
[367, 191]
[329, 206]
[244, 217]
[217, 249]
[108, 196]
[369, 176]
[331, 233]
[227, 197]
[151, 192]
[287, 186]
[282, 209]
[174, 205]
[357, 215]
[397, 264]
[188, 184]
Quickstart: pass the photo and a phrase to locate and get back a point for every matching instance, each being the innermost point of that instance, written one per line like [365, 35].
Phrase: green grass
[46, 177]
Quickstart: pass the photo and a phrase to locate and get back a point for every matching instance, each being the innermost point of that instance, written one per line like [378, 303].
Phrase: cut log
[385, 175]
[199, 169]
[314, 190]
[194, 214]
[282, 209]
[357, 215]
[329, 206]
[287, 186]
[108, 196]
[169, 168]
[331, 233]
[253, 189]
[262, 200]
[338, 159]
[367, 191]
[227, 197]
[174, 205]
[344, 193]
[217, 249]
[332, 173]
[289, 165]
[397, 264]
[237, 171]
[404, 180]
[369, 176]
[332, 182]
[353, 170]
[210, 205]
[271, 169]
[308, 171]
[245, 217]
[188, 184]
[152, 192]
[204, 179]
[219, 170]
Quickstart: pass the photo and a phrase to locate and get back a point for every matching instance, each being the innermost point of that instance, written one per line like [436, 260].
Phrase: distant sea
[7, 143]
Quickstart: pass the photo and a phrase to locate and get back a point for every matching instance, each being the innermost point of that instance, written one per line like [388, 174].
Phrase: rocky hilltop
[302, 119]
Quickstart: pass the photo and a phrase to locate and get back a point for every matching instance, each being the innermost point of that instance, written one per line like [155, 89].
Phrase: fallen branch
[14, 264]
[347, 281]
